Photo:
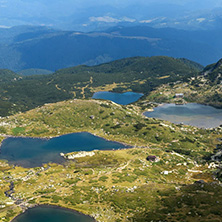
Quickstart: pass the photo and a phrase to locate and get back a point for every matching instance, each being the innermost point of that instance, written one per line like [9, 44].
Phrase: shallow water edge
[56, 207]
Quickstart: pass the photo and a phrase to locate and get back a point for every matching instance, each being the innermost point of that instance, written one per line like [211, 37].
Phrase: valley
[53, 49]
[161, 170]
[110, 111]
[98, 185]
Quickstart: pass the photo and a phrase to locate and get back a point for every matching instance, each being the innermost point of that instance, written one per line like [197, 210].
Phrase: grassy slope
[112, 121]
[204, 88]
[115, 185]
[139, 74]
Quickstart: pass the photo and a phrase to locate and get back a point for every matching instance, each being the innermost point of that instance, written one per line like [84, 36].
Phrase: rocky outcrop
[77, 155]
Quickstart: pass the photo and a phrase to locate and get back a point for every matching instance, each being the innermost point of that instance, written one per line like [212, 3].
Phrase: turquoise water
[119, 98]
[52, 214]
[190, 114]
[33, 152]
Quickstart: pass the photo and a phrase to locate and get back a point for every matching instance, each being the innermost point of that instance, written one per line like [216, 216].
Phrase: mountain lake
[52, 214]
[33, 152]
[119, 98]
[193, 114]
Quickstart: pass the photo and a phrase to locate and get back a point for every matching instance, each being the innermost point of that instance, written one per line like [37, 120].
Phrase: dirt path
[83, 88]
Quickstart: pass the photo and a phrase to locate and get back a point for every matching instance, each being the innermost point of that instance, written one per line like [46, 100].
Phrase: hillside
[139, 74]
[30, 72]
[103, 118]
[55, 49]
[204, 88]
[7, 76]
[21, 33]
[100, 184]
[213, 73]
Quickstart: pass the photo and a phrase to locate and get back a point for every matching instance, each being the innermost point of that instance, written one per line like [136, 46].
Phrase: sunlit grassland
[112, 185]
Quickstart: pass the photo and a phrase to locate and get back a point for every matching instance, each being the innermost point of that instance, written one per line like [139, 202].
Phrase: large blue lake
[190, 114]
[52, 214]
[33, 152]
[119, 98]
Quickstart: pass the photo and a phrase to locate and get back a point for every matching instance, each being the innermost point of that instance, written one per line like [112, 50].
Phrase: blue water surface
[119, 98]
[33, 152]
[191, 114]
[52, 214]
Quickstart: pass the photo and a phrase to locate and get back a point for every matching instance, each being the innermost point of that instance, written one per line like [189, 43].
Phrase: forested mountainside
[139, 74]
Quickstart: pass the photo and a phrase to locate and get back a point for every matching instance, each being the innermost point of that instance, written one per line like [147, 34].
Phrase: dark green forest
[138, 74]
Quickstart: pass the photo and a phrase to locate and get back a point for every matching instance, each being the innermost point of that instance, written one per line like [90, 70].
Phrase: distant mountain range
[29, 47]
[97, 15]
[162, 15]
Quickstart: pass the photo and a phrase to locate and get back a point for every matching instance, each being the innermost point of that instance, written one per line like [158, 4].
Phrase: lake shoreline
[56, 136]
[124, 98]
[53, 207]
[107, 144]
[193, 116]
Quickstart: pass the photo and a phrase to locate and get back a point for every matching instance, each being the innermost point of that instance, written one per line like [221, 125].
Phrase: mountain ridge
[204, 88]
[139, 74]
[56, 49]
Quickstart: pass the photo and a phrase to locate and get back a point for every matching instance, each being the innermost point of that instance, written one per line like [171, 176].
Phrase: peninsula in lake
[110, 111]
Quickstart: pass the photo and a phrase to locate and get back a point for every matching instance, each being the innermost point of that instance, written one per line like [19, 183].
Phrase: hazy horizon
[77, 14]
[130, 28]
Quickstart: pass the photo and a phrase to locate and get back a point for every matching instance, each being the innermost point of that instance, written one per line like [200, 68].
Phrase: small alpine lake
[33, 152]
[47, 213]
[193, 114]
[119, 98]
